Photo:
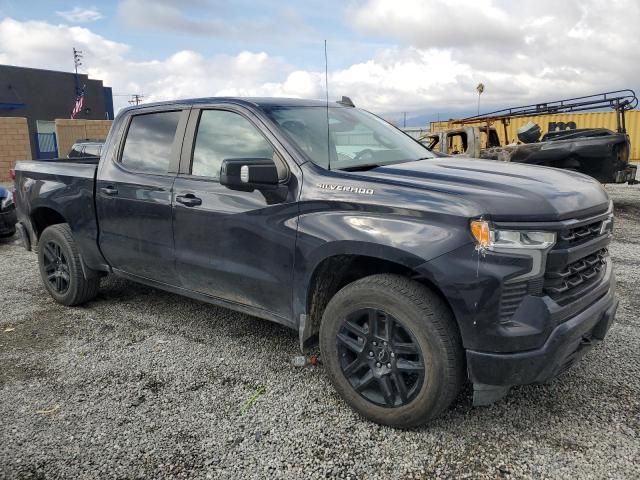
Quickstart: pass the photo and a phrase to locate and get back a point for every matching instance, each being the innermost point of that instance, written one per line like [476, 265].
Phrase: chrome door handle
[109, 190]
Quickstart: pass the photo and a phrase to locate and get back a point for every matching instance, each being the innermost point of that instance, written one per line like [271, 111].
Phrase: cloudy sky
[424, 57]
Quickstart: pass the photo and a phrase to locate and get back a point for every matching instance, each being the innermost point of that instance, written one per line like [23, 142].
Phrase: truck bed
[66, 186]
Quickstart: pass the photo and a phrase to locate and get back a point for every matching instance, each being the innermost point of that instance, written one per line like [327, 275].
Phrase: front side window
[225, 135]
[147, 147]
[353, 138]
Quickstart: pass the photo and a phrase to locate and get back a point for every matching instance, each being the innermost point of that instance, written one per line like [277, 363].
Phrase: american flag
[77, 108]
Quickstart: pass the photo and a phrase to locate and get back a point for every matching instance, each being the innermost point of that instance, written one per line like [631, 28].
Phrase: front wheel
[392, 350]
[60, 267]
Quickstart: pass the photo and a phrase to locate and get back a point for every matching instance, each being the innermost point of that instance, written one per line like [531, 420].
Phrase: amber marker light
[481, 232]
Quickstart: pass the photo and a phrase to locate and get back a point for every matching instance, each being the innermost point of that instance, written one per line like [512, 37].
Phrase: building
[41, 96]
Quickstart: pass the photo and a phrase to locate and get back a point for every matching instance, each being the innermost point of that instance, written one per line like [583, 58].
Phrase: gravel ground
[142, 383]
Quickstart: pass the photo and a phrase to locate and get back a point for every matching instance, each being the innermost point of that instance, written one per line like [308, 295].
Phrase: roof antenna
[326, 89]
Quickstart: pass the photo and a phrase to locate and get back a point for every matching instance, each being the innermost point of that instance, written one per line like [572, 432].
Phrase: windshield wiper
[361, 168]
[369, 166]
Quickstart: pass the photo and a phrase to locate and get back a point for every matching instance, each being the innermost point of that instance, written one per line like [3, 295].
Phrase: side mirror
[249, 173]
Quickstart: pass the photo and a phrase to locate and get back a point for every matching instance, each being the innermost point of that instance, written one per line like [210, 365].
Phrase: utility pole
[404, 122]
[77, 61]
[136, 98]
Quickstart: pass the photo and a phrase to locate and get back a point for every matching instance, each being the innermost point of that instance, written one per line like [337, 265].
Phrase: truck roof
[248, 101]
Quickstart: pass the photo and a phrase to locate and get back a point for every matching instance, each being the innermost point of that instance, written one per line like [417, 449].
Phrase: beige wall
[70, 131]
[14, 144]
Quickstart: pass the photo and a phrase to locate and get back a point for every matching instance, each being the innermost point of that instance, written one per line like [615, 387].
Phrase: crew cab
[417, 272]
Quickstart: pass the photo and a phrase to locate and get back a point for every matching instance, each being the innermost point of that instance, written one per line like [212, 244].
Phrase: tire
[73, 288]
[419, 320]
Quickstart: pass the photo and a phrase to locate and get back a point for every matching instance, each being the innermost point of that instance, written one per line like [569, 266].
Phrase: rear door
[234, 245]
[133, 195]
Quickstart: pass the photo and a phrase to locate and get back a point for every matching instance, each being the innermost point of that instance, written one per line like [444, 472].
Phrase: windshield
[357, 139]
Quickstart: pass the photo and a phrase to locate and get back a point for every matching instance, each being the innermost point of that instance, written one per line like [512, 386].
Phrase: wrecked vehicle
[416, 272]
[598, 152]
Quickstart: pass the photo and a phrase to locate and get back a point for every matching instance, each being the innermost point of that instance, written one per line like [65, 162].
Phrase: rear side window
[147, 147]
[225, 135]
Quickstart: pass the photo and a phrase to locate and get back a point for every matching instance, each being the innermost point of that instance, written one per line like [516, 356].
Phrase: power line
[136, 98]
[133, 97]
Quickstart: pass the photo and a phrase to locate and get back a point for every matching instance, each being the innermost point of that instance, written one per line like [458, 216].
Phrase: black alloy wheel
[392, 349]
[61, 268]
[380, 357]
[56, 267]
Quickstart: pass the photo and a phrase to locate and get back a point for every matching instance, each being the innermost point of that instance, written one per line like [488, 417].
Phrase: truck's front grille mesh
[580, 234]
[571, 281]
[574, 267]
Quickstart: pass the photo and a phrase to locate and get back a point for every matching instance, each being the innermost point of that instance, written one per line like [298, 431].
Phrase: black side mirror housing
[249, 174]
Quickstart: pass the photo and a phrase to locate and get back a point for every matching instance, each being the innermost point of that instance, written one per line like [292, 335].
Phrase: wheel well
[336, 272]
[44, 217]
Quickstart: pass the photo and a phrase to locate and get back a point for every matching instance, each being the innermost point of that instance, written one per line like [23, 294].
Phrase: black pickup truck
[417, 272]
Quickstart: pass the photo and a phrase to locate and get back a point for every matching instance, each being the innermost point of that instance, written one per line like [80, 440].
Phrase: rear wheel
[392, 350]
[60, 267]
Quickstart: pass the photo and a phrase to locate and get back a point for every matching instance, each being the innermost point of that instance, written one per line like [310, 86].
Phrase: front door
[234, 245]
[133, 196]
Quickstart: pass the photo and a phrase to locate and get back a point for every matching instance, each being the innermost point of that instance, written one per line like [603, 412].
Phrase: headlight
[492, 239]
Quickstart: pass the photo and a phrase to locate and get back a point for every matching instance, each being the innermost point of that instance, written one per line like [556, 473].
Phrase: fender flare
[303, 278]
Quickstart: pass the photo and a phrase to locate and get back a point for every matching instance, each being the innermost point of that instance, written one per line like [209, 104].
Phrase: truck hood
[506, 191]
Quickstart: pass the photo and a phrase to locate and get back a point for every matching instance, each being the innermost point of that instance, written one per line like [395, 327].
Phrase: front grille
[580, 234]
[567, 283]
[574, 266]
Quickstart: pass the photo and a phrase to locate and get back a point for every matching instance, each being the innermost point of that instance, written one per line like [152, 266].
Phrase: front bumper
[564, 346]
[8, 220]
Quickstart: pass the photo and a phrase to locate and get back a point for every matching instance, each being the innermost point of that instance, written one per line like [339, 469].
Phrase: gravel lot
[142, 383]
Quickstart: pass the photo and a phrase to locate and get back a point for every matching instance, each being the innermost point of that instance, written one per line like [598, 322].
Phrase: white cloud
[184, 74]
[42, 45]
[437, 23]
[80, 15]
[523, 53]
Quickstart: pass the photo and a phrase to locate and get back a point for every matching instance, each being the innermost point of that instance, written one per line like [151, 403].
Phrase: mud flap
[484, 395]
[304, 330]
